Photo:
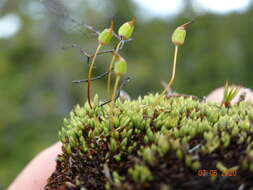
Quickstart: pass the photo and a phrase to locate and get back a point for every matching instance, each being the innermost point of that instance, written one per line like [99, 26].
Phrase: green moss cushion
[181, 143]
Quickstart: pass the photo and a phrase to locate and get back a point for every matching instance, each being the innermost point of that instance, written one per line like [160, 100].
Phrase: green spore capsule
[126, 30]
[106, 35]
[178, 36]
[120, 67]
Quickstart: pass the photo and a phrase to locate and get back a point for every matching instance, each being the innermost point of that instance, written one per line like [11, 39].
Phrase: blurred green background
[38, 62]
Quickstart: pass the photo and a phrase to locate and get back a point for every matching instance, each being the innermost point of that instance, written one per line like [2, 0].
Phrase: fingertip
[36, 173]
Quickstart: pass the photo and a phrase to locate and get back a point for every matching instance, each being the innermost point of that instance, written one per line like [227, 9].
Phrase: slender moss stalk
[113, 99]
[90, 72]
[110, 69]
[115, 89]
[172, 76]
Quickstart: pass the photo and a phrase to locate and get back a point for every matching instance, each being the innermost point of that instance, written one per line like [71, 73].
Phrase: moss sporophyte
[178, 38]
[120, 68]
[104, 38]
[124, 32]
[133, 144]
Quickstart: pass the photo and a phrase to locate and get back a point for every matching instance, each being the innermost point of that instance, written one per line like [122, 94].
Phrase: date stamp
[203, 172]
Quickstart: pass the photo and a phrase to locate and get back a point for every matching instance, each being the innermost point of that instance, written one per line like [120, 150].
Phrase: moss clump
[159, 147]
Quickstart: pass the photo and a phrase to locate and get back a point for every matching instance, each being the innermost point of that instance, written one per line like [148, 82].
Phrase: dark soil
[80, 171]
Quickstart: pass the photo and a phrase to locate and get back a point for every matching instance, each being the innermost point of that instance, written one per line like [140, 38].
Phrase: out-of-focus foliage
[38, 64]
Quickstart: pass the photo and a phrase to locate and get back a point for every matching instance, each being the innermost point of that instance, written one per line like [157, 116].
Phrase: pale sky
[163, 8]
[10, 24]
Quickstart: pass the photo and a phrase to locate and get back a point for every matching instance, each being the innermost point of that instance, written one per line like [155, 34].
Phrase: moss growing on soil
[163, 147]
